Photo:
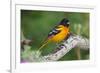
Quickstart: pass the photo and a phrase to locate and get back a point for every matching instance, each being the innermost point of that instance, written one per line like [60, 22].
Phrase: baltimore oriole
[58, 33]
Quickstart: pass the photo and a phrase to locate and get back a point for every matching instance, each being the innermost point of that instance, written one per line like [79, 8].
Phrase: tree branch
[72, 42]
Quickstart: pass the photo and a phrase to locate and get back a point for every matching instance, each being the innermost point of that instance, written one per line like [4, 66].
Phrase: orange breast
[61, 36]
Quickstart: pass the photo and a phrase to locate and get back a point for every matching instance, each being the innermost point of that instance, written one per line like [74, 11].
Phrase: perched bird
[58, 33]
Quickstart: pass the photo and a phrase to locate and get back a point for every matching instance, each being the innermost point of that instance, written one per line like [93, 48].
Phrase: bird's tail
[44, 44]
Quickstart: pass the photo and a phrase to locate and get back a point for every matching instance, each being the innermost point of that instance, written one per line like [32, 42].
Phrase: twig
[77, 50]
[78, 54]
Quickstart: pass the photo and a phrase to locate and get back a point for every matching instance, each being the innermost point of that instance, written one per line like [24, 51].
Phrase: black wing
[54, 32]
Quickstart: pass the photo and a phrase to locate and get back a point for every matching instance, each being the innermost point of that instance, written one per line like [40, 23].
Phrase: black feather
[64, 22]
[53, 32]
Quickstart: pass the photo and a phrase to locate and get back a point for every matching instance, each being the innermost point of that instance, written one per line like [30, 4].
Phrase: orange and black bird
[58, 33]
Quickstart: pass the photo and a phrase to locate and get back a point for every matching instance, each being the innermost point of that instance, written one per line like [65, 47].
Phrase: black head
[64, 22]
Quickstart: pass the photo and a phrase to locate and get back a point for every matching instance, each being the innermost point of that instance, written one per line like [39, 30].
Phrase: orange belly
[61, 36]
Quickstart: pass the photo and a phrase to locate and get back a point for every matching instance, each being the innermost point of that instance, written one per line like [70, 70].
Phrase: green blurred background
[37, 24]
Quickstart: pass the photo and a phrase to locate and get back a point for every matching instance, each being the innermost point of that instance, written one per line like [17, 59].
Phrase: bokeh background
[36, 25]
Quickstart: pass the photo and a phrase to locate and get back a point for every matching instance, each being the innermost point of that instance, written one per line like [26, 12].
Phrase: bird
[60, 32]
